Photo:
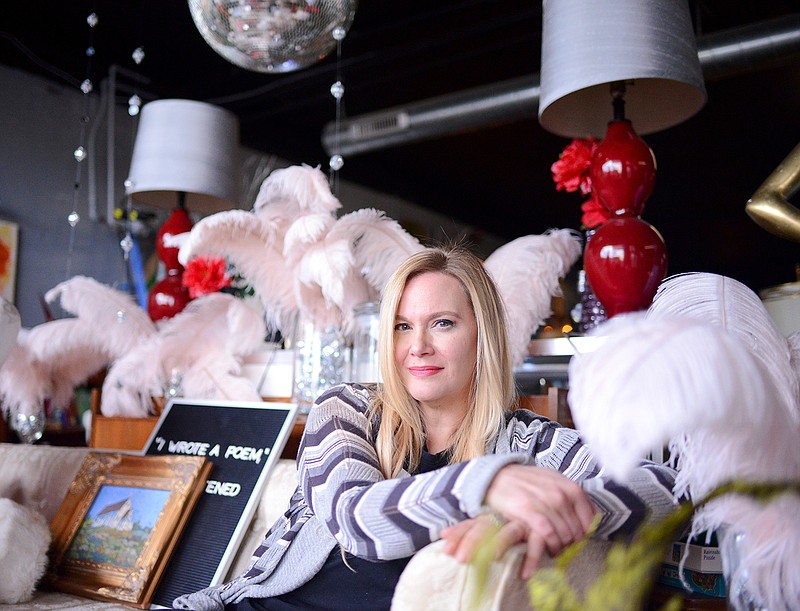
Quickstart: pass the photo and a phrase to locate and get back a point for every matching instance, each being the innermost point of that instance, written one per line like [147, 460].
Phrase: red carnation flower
[205, 275]
[571, 171]
[594, 213]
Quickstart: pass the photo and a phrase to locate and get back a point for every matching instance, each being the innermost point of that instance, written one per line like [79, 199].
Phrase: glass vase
[28, 427]
[591, 311]
[320, 361]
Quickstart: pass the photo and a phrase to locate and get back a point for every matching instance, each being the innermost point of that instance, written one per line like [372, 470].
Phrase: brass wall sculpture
[769, 207]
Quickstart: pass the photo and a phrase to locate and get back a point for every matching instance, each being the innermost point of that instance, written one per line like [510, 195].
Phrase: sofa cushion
[38, 476]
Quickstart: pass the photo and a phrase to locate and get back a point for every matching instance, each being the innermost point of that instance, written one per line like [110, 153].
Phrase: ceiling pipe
[722, 55]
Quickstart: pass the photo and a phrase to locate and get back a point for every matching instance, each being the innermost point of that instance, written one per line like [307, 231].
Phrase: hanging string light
[80, 153]
[134, 106]
[337, 91]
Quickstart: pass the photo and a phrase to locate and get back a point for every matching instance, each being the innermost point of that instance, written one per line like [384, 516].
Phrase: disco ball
[273, 36]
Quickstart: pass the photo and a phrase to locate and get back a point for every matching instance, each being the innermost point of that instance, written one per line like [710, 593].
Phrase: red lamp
[168, 296]
[643, 53]
[626, 259]
[190, 151]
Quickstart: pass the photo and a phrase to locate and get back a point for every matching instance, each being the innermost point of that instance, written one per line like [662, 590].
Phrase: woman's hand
[553, 511]
[462, 540]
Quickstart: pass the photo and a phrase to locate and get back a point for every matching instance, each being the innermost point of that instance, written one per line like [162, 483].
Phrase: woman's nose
[420, 343]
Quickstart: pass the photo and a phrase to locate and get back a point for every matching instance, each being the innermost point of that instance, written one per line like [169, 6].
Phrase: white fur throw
[24, 539]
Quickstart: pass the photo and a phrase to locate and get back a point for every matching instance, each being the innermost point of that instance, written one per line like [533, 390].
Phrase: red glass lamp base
[625, 261]
[623, 170]
[167, 297]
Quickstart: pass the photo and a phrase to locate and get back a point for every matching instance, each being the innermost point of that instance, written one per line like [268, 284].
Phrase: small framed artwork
[119, 523]
[9, 236]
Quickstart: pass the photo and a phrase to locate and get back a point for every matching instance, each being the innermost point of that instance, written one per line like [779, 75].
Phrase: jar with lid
[365, 343]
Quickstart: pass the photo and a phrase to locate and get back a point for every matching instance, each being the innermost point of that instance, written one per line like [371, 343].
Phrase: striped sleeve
[645, 496]
[370, 516]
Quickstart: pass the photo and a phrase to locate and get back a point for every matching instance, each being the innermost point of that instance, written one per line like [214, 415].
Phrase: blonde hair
[401, 434]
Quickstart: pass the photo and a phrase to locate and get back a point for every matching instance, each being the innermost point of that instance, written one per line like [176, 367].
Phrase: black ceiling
[496, 177]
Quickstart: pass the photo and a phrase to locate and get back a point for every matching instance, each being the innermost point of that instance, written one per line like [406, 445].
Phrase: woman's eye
[401, 326]
[443, 323]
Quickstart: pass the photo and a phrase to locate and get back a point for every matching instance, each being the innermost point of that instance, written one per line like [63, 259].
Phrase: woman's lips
[422, 372]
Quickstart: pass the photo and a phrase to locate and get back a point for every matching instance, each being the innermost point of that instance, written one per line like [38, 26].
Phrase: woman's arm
[645, 496]
[370, 516]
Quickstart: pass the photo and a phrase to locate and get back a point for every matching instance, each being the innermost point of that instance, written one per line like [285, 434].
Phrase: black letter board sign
[243, 440]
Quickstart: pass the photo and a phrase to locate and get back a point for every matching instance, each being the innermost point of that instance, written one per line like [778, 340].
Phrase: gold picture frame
[120, 521]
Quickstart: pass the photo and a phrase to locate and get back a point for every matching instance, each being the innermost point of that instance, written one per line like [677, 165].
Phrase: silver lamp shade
[188, 147]
[586, 46]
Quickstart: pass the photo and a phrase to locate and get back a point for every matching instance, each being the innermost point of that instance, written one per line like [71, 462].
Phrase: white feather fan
[527, 272]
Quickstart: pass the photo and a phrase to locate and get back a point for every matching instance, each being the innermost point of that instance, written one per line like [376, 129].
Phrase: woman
[435, 451]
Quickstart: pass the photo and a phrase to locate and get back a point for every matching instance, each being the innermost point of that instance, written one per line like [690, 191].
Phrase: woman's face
[436, 341]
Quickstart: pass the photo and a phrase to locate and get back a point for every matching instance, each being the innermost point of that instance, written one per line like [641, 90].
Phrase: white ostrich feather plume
[243, 240]
[53, 358]
[699, 387]
[205, 343]
[112, 313]
[24, 382]
[378, 243]
[303, 185]
[730, 304]
[649, 381]
[212, 333]
[133, 380]
[306, 230]
[213, 323]
[527, 272]
[70, 350]
[759, 547]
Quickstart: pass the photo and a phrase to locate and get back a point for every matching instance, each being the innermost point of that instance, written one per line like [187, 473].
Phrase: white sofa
[38, 477]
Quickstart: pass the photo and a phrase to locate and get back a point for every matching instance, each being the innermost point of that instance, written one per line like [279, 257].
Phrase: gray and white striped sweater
[343, 498]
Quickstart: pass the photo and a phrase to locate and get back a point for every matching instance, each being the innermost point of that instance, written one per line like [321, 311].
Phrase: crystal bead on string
[339, 33]
[138, 55]
[79, 154]
[134, 104]
[121, 316]
[126, 244]
[92, 20]
[73, 218]
[336, 163]
[86, 86]
[337, 90]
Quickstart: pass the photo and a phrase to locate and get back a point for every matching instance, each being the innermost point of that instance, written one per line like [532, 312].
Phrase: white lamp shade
[588, 45]
[189, 147]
